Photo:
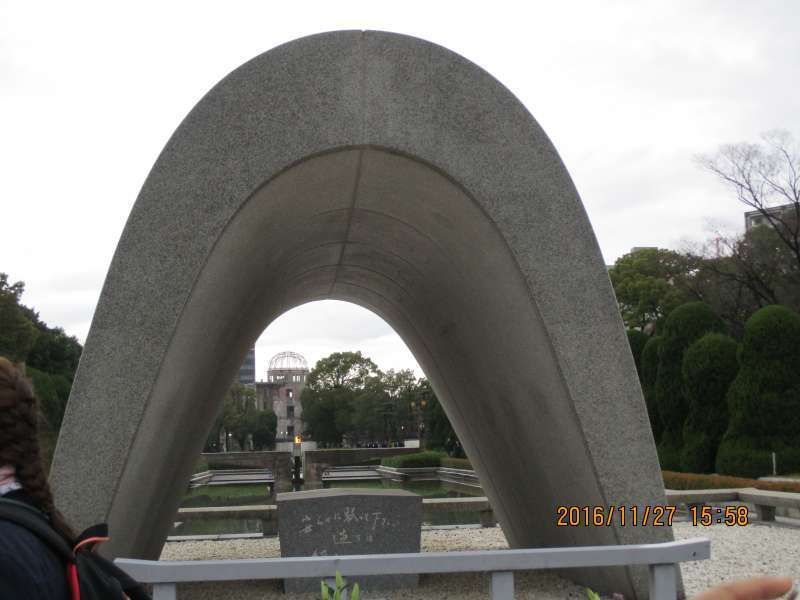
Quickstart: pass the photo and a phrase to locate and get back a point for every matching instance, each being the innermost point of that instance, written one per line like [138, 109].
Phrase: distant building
[247, 372]
[754, 218]
[286, 377]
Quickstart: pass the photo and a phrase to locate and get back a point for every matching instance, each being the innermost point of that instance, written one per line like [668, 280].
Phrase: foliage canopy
[645, 285]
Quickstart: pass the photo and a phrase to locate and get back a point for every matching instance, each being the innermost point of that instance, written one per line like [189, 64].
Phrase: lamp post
[422, 404]
[296, 454]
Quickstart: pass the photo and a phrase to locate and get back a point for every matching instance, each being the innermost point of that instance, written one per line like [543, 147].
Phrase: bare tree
[764, 176]
[738, 274]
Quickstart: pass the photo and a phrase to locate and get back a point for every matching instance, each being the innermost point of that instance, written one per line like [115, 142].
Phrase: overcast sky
[628, 92]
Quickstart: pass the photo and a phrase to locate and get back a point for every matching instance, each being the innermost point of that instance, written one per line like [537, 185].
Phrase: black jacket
[29, 570]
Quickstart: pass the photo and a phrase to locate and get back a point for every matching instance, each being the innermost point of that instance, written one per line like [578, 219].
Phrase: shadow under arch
[389, 172]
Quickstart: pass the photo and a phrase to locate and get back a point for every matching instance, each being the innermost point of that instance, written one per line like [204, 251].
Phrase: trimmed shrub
[648, 375]
[683, 326]
[741, 456]
[669, 449]
[457, 463]
[709, 367]
[226, 495]
[637, 340]
[414, 461]
[764, 399]
[692, 481]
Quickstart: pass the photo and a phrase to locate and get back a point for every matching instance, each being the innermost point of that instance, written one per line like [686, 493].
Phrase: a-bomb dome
[287, 361]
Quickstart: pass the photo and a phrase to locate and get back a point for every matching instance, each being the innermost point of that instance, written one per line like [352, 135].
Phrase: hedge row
[457, 463]
[718, 406]
[414, 461]
[672, 479]
[693, 481]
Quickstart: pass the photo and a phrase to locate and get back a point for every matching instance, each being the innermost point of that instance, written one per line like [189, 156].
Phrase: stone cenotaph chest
[350, 521]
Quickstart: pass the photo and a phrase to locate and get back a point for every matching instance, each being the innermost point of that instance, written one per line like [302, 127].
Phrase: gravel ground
[735, 553]
[740, 552]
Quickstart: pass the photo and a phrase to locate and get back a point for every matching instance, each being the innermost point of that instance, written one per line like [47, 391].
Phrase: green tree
[14, 289]
[50, 356]
[237, 412]
[403, 388]
[382, 411]
[649, 374]
[709, 367]
[263, 426]
[17, 332]
[683, 326]
[55, 352]
[647, 283]
[764, 399]
[347, 396]
[346, 370]
[372, 416]
[438, 432]
[329, 397]
[320, 408]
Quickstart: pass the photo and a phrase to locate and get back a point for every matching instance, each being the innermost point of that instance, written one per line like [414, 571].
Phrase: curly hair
[19, 441]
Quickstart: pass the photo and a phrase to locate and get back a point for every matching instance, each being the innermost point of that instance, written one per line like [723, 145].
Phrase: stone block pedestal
[340, 521]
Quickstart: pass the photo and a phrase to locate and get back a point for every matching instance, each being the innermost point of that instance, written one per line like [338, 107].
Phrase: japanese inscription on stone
[341, 521]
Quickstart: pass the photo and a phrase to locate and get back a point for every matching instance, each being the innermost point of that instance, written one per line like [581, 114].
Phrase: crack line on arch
[352, 210]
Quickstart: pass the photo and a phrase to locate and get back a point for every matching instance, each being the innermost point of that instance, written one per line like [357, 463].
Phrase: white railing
[663, 560]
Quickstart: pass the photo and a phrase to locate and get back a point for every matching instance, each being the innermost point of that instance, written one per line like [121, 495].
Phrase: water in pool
[254, 494]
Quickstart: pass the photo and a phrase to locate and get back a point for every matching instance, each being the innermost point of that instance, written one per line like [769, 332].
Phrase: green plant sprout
[592, 595]
[339, 591]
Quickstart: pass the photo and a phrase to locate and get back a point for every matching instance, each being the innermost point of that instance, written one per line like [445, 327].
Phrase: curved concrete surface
[386, 171]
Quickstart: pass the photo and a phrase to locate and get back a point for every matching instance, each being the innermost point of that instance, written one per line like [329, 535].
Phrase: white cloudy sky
[629, 92]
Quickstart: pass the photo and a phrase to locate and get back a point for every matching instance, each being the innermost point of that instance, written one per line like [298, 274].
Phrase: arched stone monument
[390, 172]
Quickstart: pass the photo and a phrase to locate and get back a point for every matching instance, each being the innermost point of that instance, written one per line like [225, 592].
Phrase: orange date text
[659, 515]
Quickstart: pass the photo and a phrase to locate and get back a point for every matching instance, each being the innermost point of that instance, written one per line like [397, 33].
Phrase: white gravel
[735, 553]
[741, 552]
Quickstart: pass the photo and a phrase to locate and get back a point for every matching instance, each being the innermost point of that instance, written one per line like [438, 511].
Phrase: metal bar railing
[661, 558]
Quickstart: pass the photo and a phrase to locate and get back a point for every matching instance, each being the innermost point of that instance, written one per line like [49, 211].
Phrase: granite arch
[390, 172]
